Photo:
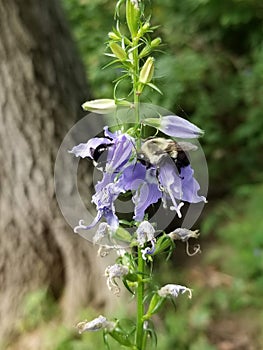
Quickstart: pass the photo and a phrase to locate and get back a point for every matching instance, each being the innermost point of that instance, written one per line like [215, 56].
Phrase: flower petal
[84, 150]
[171, 184]
[190, 186]
[147, 194]
[119, 153]
[133, 176]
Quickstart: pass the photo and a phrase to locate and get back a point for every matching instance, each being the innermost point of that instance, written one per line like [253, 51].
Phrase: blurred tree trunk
[42, 86]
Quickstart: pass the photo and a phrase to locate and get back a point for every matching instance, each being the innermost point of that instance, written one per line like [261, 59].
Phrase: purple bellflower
[123, 171]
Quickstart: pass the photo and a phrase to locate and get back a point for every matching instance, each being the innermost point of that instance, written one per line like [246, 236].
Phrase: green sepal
[155, 122]
[163, 243]
[129, 280]
[154, 87]
[154, 306]
[121, 337]
[131, 277]
[123, 333]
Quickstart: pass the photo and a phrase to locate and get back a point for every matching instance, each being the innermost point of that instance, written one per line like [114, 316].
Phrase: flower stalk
[140, 304]
[149, 171]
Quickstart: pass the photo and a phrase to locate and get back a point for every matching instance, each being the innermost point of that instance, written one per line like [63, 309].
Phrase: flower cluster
[161, 171]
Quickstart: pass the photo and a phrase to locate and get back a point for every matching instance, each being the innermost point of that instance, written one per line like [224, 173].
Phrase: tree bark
[42, 86]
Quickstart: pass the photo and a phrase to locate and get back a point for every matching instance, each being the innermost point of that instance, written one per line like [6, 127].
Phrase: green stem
[140, 307]
[135, 80]
[139, 336]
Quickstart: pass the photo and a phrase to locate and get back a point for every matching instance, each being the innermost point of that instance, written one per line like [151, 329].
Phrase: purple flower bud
[175, 126]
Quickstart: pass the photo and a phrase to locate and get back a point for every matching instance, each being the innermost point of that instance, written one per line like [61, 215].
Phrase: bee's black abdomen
[97, 152]
[181, 160]
[100, 155]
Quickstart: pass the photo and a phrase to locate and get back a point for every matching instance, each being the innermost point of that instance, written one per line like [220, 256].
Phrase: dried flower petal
[112, 272]
[183, 234]
[174, 290]
[145, 233]
[97, 324]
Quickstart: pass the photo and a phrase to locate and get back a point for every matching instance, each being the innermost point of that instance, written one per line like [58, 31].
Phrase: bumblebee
[156, 151]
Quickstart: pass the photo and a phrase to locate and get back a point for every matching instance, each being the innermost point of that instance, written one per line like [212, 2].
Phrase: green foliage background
[211, 72]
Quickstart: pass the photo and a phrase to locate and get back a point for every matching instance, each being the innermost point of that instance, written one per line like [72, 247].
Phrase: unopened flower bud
[132, 16]
[155, 42]
[113, 36]
[146, 26]
[145, 51]
[146, 73]
[175, 126]
[118, 51]
[102, 106]
[143, 29]
[150, 46]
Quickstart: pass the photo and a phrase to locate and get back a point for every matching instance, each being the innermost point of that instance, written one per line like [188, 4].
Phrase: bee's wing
[186, 146]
